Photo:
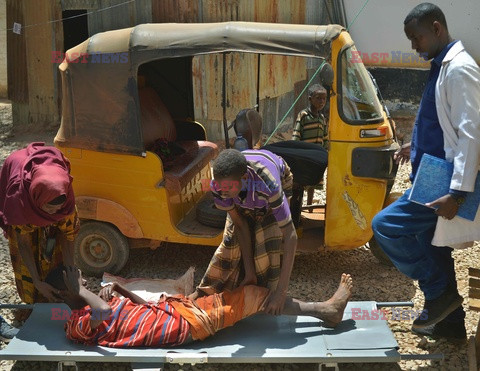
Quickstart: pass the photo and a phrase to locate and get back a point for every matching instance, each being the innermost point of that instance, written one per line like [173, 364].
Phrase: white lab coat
[457, 98]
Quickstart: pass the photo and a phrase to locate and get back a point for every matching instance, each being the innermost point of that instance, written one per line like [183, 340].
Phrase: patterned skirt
[23, 280]
[225, 271]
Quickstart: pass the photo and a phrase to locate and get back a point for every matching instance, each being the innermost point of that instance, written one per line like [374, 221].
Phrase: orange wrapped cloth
[209, 314]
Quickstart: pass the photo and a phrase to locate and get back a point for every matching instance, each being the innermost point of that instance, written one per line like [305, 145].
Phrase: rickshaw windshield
[359, 103]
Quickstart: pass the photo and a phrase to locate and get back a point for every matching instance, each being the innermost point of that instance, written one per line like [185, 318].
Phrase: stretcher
[257, 339]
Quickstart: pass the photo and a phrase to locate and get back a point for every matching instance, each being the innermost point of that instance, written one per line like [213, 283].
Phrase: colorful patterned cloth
[169, 322]
[69, 226]
[209, 314]
[130, 325]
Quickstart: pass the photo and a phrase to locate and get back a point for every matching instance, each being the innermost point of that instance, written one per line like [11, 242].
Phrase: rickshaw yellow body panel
[117, 181]
[135, 185]
[351, 201]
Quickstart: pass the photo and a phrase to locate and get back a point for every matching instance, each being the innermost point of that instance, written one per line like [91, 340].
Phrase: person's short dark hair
[55, 278]
[316, 87]
[60, 200]
[229, 163]
[426, 13]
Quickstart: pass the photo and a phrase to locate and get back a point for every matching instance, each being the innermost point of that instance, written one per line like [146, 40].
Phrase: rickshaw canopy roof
[100, 108]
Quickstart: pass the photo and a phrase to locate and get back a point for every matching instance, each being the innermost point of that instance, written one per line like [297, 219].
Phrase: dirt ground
[314, 277]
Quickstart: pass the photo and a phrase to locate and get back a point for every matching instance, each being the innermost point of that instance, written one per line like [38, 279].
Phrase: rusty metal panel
[78, 4]
[124, 15]
[121, 16]
[58, 45]
[143, 11]
[226, 10]
[40, 41]
[241, 75]
[278, 74]
[280, 11]
[16, 55]
[181, 11]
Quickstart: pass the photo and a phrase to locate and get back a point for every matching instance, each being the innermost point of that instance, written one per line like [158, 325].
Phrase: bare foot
[333, 308]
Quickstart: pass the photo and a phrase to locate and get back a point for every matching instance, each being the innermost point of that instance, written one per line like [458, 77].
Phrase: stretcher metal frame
[258, 339]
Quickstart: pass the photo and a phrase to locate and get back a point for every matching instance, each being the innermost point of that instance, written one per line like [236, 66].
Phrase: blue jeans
[404, 230]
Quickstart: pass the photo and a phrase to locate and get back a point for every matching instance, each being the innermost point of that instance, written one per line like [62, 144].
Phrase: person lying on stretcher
[107, 320]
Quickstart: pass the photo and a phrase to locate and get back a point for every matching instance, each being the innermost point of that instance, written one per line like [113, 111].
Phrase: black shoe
[437, 309]
[7, 332]
[452, 331]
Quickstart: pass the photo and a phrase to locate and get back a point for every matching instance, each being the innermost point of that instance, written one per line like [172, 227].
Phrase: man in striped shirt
[252, 186]
[311, 125]
[132, 322]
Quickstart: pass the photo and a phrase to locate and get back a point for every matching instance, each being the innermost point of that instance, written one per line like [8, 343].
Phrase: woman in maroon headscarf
[38, 216]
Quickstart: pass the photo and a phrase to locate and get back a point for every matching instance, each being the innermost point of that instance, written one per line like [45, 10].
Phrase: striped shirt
[130, 325]
[262, 190]
[310, 128]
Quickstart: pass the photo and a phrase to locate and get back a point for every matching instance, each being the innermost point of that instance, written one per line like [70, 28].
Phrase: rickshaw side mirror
[326, 75]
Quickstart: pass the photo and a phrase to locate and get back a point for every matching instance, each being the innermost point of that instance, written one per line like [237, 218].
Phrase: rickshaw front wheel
[100, 247]
[378, 253]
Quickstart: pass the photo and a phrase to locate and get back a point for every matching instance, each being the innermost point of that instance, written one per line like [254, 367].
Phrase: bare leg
[330, 311]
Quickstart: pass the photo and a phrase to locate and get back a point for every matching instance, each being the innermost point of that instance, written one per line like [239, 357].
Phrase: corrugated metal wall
[278, 75]
[33, 79]
[114, 14]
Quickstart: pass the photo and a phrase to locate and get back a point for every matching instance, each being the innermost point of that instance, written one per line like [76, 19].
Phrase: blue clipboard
[432, 181]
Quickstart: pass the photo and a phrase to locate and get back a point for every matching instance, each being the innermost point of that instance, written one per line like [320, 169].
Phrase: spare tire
[208, 214]
[307, 161]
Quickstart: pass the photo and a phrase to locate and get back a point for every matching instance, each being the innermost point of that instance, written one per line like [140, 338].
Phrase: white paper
[17, 28]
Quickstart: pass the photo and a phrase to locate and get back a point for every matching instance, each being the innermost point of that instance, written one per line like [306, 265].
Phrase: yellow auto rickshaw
[140, 175]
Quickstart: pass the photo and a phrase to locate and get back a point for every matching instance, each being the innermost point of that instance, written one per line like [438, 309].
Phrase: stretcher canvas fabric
[258, 339]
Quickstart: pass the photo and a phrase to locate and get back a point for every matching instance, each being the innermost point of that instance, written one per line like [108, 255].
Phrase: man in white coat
[447, 126]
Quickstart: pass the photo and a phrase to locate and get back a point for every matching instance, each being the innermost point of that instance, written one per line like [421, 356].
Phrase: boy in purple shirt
[252, 186]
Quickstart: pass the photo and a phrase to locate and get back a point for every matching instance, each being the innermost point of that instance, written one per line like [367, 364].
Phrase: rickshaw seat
[185, 166]
[158, 123]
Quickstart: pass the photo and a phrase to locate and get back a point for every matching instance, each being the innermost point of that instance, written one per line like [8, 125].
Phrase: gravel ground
[314, 277]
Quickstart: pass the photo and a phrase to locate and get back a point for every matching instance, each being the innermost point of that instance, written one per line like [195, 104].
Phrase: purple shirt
[262, 190]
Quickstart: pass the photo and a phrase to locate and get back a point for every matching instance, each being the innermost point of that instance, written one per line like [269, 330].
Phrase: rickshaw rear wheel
[378, 253]
[100, 247]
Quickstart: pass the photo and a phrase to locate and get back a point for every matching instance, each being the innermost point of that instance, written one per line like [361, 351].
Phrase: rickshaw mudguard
[100, 209]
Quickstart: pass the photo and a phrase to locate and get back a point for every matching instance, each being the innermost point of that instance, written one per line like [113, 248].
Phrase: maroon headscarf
[30, 178]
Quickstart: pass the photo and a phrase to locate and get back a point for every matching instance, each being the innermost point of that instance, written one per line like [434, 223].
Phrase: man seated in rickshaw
[107, 320]
[311, 125]
[252, 186]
